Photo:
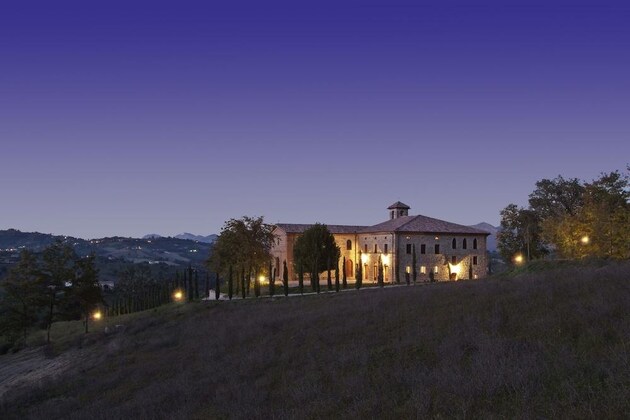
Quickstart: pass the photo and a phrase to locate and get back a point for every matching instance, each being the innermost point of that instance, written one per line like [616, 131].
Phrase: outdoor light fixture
[178, 295]
[585, 240]
[518, 259]
[365, 258]
[97, 315]
[385, 259]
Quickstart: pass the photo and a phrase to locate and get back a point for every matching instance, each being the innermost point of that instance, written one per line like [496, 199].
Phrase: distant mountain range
[188, 236]
[491, 244]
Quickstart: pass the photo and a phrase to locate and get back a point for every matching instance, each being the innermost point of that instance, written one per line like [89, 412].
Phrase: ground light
[97, 315]
[585, 239]
[518, 259]
[178, 295]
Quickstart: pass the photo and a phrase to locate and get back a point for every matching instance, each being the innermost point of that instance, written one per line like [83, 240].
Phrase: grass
[543, 343]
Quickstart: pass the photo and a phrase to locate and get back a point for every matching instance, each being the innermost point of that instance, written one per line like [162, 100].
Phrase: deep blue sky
[127, 118]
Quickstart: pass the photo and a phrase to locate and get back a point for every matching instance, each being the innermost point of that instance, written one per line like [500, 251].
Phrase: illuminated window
[408, 248]
[349, 245]
[475, 243]
[437, 248]
[436, 269]
[423, 269]
[408, 269]
[454, 243]
[475, 260]
[464, 244]
[423, 249]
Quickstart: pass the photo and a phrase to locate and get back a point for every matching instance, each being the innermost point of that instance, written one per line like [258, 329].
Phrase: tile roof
[398, 205]
[410, 224]
[422, 224]
[300, 228]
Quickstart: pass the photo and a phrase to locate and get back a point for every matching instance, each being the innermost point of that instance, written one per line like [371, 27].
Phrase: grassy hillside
[551, 343]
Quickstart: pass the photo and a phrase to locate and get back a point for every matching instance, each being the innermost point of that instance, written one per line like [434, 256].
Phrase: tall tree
[86, 290]
[397, 270]
[344, 279]
[58, 271]
[217, 286]
[520, 233]
[359, 273]
[230, 283]
[272, 280]
[328, 276]
[301, 279]
[381, 279]
[316, 250]
[337, 277]
[285, 277]
[23, 298]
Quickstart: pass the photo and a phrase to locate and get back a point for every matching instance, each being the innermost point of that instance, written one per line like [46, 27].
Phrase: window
[453, 259]
[408, 248]
[349, 245]
[475, 260]
[365, 248]
[437, 248]
[392, 215]
[464, 244]
[423, 269]
[454, 244]
[423, 249]
[408, 269]
[385, 250]
[375, 248]
[475, 243]
[436, 269]
[349, 268]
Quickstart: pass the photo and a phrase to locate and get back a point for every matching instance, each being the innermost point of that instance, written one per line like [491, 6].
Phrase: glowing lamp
[518, 259]
[261, 279]
[454, 268]
[97, 315]
[385, 259]
[365, 258]
[178, 295]
[585, 240]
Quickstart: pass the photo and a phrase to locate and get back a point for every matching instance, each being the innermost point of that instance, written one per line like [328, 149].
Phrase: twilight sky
[129, 117]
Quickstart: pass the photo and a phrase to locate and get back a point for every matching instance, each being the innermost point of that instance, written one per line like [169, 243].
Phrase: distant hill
[491, 245]
[113, 254]
[188, 236]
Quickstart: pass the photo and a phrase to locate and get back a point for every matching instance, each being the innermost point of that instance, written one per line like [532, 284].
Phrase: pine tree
[285, 278]
[328, 278]
[344, 278]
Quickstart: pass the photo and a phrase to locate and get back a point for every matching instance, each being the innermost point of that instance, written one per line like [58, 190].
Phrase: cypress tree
[285, 278]
[230, 281]
[337, 277]
[329, 278]
[381, 280]
[344, 278]
[243, 291]
[414, 262]
[257, 286]
[196, 284]
[249, 279]
[217, 287]
[272, 281]
[359, 276]
[301, 279]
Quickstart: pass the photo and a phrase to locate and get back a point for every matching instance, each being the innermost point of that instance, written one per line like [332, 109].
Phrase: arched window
[454, 245]
[475, 243]
[375, 248]
[464, 244]
[365, 248]
[349, 245]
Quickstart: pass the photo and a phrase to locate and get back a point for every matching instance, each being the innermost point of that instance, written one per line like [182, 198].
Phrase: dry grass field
[548, 343]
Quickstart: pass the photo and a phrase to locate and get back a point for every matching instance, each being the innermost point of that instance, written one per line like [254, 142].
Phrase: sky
[131, 117]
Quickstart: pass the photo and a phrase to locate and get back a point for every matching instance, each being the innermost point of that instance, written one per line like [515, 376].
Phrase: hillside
[546, 344]
[113, 253]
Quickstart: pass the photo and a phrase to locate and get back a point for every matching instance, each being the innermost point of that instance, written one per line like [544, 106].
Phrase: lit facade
[444, 250]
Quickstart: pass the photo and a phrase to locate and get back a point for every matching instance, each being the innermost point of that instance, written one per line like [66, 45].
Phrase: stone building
[443, 250]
